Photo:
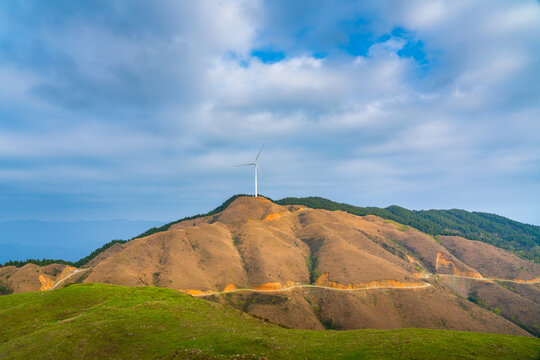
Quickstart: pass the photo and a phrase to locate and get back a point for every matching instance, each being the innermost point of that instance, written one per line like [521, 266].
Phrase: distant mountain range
[68, 240]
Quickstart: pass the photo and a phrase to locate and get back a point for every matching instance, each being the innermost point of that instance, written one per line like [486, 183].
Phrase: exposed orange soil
[275, 285]
[442, 263]
[532, 281]
[273, 216]
[46, 282]
[196, 292]
[269, 286]
[66, 272]
[324, 281]
[230, 287]
[291, 285]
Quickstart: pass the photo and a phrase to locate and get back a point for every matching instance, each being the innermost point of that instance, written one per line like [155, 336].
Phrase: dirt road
[517, 281]
[316, 286]
[67, 277]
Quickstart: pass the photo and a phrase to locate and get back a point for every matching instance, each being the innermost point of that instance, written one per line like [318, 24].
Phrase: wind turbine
[255, 168]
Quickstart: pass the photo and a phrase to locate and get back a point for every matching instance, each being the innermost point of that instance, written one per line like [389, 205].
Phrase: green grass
[400, 227]
[105, 321]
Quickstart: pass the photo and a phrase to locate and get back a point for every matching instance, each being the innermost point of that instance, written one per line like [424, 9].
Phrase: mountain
[99, 321]
[522, 239]
[318, 269]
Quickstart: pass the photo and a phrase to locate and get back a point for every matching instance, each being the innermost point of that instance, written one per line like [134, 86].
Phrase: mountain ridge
[457, 221]
[525, 245]
[362, 271]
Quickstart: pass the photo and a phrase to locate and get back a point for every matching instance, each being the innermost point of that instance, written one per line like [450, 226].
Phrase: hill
[522, 239]
[96, 321]
[318, 269]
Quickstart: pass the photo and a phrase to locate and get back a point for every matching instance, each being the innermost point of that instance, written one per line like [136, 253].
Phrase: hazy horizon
[65, 240]
[204, 209]
[140, 110]
[75, 239]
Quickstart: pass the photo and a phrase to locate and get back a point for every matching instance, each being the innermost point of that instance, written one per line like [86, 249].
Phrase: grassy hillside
[105, 321]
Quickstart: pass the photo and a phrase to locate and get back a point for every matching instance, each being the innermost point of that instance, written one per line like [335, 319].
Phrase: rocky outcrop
[444, 265]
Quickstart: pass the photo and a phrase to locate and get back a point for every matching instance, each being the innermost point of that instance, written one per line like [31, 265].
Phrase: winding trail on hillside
[517, 281]
[67, 277]
[486, 279]
[289, 288]
[315, 286]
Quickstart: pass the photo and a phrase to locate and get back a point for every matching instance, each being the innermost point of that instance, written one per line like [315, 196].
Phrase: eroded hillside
[317, 269]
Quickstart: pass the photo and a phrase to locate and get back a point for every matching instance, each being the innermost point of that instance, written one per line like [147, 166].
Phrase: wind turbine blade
[257, 158]
[259, 170]
[244, 165]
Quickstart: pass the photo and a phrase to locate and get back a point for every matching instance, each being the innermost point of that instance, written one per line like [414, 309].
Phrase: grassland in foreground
[105, 321]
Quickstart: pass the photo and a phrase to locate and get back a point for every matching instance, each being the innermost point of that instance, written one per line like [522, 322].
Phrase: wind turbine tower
[255, 168]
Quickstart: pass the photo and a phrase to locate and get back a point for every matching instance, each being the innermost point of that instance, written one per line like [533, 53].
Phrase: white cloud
[176, 94]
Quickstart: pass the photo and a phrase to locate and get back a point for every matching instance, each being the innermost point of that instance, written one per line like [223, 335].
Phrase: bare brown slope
[428, 308]
[431, 253]
[32, 277]
[201, 257]
[491, 261]
[271, 255]
[257, 244]
[254, 242]
[431, 307]
[103, 255]
[507, 298]
[341, 246]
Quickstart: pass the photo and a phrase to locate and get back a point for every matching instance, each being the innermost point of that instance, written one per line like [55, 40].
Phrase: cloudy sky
[139, 109]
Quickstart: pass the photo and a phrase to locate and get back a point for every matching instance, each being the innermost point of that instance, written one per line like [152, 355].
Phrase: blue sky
[138, 110]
